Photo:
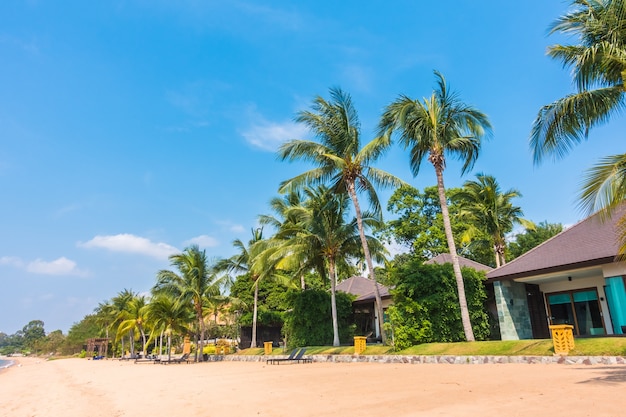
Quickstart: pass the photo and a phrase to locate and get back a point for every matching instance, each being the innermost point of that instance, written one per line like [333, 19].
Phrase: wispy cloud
[60, 266]
[129, 243]
[203, 241]
[268, 136]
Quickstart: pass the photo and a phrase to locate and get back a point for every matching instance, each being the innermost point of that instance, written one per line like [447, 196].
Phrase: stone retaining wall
[461, 360]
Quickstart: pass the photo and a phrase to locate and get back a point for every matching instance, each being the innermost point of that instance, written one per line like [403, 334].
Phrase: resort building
[573, 278]
[364, 305]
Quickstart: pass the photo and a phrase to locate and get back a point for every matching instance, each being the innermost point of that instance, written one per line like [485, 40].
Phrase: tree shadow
[610, 375]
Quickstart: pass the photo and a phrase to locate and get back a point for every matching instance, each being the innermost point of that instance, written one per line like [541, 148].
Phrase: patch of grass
[596, 346]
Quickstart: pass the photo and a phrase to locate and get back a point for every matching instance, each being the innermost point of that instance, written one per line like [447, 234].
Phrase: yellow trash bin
[562, 338]
[359, 344]
[268, 348]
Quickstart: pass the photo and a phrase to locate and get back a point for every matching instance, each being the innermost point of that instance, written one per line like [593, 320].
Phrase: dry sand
[81, 388]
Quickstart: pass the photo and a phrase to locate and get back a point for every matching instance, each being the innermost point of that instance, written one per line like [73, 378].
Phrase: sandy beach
[81, 387]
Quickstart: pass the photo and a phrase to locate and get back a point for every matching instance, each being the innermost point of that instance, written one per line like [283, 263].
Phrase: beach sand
[82, 387]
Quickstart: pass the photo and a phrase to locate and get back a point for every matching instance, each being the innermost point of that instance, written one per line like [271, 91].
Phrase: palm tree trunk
[368, 259]
[497, 255]
[333, 300]
[254, 313]
[465, 318]
[199, 353]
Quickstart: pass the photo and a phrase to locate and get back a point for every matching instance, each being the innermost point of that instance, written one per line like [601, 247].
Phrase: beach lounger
[298, 358]
[184, 358]
[275, 361]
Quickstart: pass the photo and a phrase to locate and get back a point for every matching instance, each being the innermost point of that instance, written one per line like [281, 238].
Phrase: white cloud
[203, 241]
[60, 266]
[269, 136]
[131, 244]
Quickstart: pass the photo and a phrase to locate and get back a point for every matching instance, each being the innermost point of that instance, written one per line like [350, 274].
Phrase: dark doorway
[537, 312]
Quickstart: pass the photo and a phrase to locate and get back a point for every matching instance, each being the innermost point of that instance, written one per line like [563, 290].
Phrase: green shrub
[426, 304]
[309, 321]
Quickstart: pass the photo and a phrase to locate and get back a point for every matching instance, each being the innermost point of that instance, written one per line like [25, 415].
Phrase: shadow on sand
[611, 375]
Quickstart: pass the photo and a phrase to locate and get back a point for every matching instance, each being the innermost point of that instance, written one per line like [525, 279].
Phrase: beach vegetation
[306, 322]
[342, 164]
[435, 128]
[196, 279]
[598, 67]
[426, 307]
[490, 212]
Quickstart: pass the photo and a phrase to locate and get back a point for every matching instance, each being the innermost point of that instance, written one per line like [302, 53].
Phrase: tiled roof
[591, 242]
[362, 287]
[445, 258]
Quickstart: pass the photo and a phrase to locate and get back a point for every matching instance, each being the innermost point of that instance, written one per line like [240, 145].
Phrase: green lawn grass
[597, 346]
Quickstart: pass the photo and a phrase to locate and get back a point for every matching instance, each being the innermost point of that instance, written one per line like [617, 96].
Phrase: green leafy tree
[523, 242]
[490, 211]
[418, 223]
[341, 162]
[598, 64]
[79, 332]
[432, 128]
[33, 333]
[196, 279]
[426, 306]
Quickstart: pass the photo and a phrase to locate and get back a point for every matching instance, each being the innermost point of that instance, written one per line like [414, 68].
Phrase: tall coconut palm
[432, 128]
[341, 162]
[598, 63]
[490, 210]
[196, 279]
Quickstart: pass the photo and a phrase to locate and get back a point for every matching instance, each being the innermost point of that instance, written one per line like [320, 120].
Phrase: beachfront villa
[573, 278]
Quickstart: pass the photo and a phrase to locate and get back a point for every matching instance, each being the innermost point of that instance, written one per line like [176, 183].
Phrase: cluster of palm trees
[318, 222]
[180, 303]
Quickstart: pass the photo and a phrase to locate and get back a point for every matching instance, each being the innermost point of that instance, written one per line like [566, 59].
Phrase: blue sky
[132, 128]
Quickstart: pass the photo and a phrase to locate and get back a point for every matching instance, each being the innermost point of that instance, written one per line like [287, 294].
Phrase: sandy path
[80, 387]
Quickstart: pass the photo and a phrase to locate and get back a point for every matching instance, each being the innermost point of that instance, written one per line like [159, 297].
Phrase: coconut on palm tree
[598, 64]
[433, 128]
[341, 162]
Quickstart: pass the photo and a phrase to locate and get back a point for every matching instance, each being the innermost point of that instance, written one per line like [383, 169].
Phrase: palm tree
[119, 305]
[195, 281]
[491, 211]
[598, 65]
[244, 263]
[133, 318]
[433, 128]
[296, 260]
[325, 232]
[168, 315]
[341, 162]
